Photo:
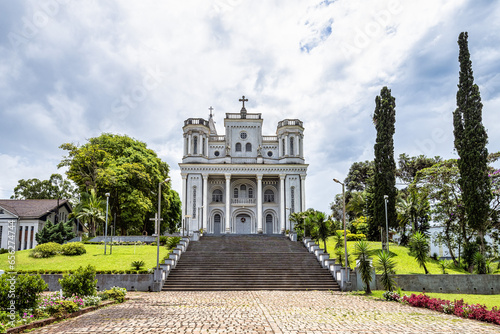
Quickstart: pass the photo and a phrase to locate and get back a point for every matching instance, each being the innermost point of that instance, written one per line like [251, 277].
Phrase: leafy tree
[360, 176]
[363, 256]
[413, 209]
[409, 166]
[419, 248]
[386, 265]
[357, 204]
[440, 183]
[384, 119]
[470, 143]
[58, 233]
[130, 172]
[321, 227]
[53, 188]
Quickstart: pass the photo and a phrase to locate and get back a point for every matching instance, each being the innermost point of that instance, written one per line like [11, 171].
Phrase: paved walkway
[263, 312]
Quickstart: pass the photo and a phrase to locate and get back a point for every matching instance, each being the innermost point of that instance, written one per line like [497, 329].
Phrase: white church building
[242, 182]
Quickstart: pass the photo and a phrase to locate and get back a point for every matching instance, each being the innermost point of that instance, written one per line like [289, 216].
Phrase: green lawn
[405, 264]
[120, 259]
[489, 300]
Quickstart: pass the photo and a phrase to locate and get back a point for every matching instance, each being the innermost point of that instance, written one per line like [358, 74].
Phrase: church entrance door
[217, 224]
[269, 224]
[243, 224]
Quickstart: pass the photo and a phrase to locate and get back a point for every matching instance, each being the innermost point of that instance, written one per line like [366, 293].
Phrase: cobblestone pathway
[263, 312]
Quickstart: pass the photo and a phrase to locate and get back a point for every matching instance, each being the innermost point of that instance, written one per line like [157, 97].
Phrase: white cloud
[88, 70]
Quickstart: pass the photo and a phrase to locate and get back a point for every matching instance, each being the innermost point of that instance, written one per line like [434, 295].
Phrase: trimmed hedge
[48, 249]
[73, 248]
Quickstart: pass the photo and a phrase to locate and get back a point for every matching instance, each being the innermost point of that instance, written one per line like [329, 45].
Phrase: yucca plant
[386, 265]
[443, 265]
[480, 263]
[363, 252]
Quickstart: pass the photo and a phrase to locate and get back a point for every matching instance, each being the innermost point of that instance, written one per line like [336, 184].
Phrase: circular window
[243, 220]
[270, 154]
[216, 153]
[243, 135]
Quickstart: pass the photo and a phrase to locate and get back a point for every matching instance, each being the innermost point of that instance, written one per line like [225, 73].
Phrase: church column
[200, 142]
[296, 146]
[259, 203]
[183, 201]
[205, 202]
[282, 202]
[228, 202]
[303, 192]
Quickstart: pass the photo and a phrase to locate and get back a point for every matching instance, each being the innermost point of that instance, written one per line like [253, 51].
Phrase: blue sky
[70, 70]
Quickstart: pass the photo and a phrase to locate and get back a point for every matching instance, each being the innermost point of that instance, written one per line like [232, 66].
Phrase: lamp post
[386, 198]
[106, 227]
[343, 218]
[158, 221]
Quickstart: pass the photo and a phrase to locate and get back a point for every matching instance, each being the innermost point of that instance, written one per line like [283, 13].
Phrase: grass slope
[489, 300]
[405, 263]
[121, 259]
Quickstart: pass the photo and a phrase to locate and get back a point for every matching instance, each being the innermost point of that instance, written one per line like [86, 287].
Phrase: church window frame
[237, 147]
[243, 135]
[235, 193]
[217, 196]
[291, 146]
[248, 147]
[203, 146]
[250, 192]
[269, 196]
[195, 145]
[283, 146]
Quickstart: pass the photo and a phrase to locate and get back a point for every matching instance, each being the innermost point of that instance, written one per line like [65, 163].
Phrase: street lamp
[158, 221]
[343, 218]
[106, 227]
[386, 198]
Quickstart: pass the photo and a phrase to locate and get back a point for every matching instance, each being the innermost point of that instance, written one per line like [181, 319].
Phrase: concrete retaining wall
[139, 282]
[470, 284]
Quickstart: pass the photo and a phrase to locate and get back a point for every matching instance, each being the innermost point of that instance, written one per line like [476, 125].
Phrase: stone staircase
[248, 262]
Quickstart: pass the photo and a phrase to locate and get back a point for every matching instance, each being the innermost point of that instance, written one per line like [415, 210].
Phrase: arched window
[250, 192]
[195, 145]
[291, 146]
[243, 187]
[269, 196]
[217, 218]
[235, 193]
[283, 147]
[238, 147]
[217, 195]
[269, 218]
[203, 146]
[248, 147]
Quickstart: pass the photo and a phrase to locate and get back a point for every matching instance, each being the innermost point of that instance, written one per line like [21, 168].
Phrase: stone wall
[133, 282]
[470, 284]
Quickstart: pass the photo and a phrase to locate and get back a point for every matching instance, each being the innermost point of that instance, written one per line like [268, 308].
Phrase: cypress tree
[470, 143]
[384, 183]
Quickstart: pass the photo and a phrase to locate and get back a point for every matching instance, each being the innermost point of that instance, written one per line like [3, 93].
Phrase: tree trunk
[425, 269]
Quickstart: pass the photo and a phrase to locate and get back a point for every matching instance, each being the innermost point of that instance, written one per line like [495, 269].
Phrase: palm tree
[419, 248]
[92, 211]
[357, 203]
[386, 265]
[322, 228]
[362, 252]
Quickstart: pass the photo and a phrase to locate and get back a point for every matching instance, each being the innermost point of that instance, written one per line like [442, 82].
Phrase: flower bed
[458, 307]
[55, 306]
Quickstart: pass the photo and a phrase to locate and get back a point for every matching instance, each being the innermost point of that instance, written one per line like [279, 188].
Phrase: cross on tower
[211, 109]
[243, 100]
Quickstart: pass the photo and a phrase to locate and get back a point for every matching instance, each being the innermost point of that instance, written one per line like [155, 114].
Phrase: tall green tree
[130, 172]
[59, 233]
[470, 143]
[55, 187]
[384, 119]
[419, 248]
[91, 211]
[409, 166]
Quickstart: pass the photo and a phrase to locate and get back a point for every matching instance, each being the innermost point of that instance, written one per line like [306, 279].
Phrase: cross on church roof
[211, 109]
[243, 100]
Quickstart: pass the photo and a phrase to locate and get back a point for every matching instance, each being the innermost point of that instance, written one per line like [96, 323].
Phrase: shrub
[62, 307]
[73, 248]
[392, 296]
[3, 250]
[163, 240]
[115, 293]
[27, 290]
[137, 264]
[356, 237]
[172, 242]
[48, 249]
[81, 283]
[91, 300]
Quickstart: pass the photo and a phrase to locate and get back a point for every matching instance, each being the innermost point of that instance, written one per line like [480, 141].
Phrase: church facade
[242, 182]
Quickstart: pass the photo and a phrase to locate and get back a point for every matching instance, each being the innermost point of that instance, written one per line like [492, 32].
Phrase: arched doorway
[217, 224]
[269, 224]
[243, 224]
